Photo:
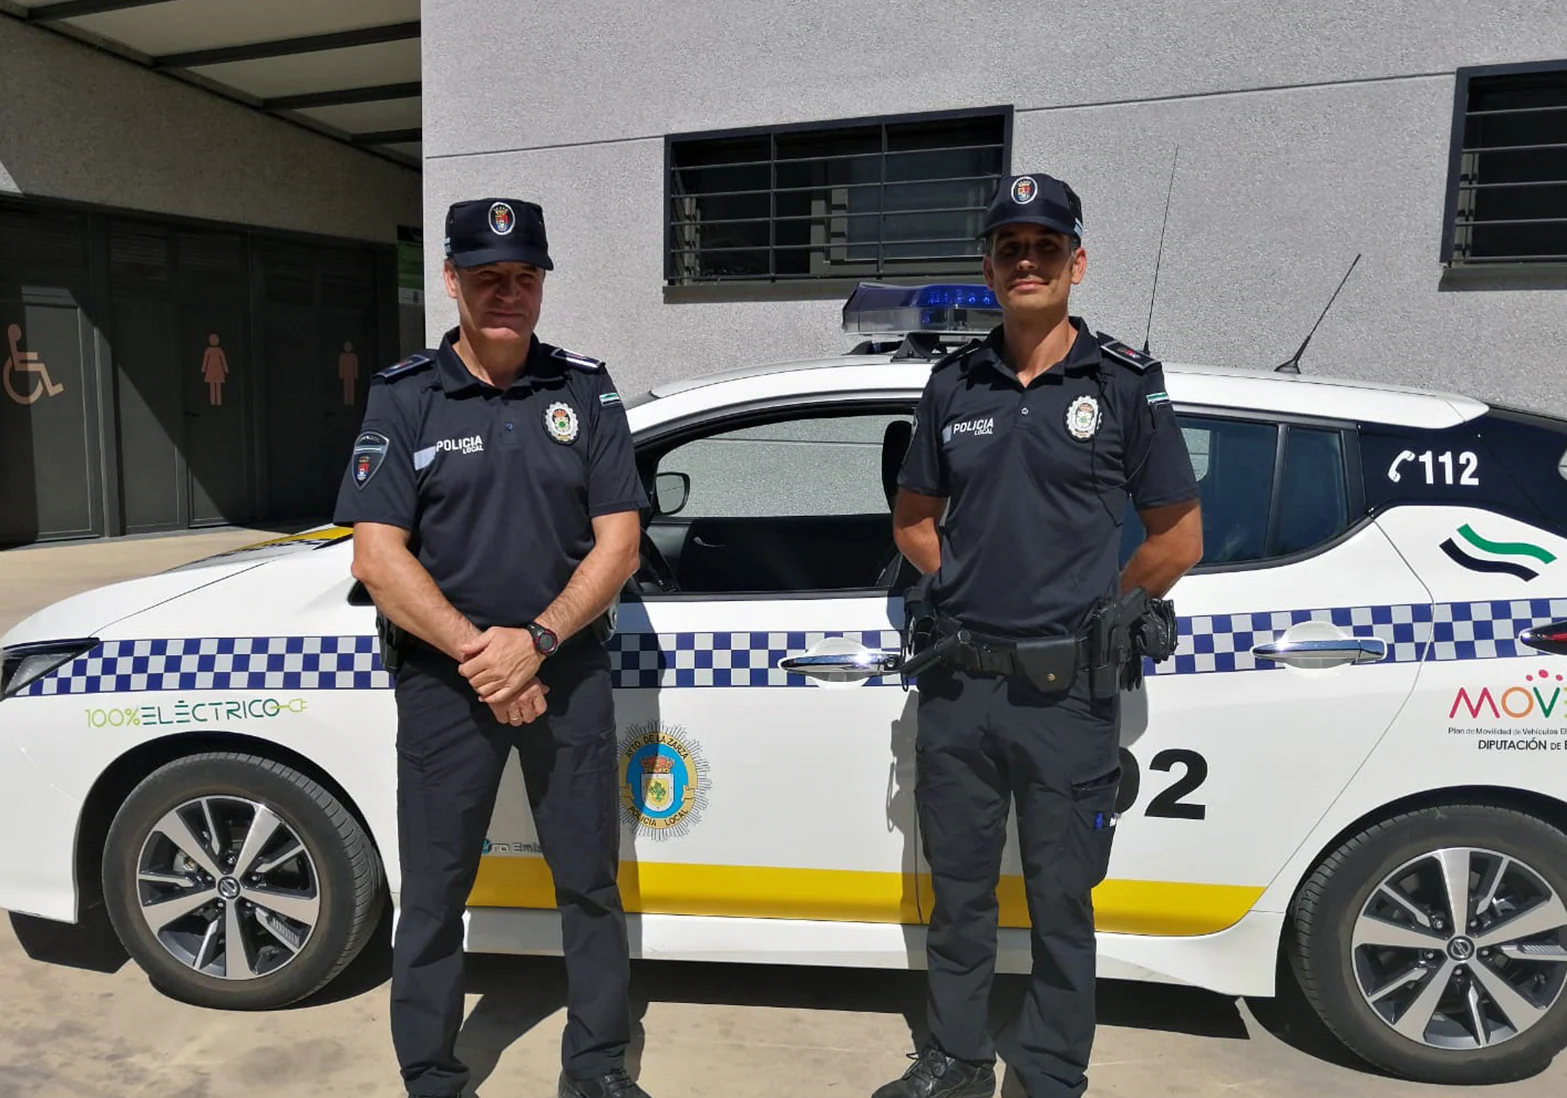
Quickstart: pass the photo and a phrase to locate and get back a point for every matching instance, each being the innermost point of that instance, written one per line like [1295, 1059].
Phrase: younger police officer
[1031, 440]
[495, 502]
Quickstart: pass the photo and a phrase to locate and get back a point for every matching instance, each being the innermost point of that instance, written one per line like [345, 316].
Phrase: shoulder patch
[412, 364]
[581, 362]
[1126, 356]
[958, 355]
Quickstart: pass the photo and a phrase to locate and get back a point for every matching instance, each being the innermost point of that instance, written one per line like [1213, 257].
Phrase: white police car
[1358, 755]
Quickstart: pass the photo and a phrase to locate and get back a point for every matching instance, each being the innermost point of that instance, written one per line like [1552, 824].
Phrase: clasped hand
[502, 666]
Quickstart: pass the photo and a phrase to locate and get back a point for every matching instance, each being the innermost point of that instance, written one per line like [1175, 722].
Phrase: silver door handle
[843, 666]
[1342, 650]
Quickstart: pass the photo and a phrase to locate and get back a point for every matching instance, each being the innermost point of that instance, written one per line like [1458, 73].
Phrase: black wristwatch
[543, 639]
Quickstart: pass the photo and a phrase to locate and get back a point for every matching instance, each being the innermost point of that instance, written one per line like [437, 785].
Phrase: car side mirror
[671, 491]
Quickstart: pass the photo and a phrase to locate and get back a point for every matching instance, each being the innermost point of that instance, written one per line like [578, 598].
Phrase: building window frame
[1460, 181]
[773, 284]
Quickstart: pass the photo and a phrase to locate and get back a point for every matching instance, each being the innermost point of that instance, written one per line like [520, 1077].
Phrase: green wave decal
[1505, 548]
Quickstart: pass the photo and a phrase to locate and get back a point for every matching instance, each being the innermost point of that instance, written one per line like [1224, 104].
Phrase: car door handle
[1354, 650]
[702, 543]
[837, 661]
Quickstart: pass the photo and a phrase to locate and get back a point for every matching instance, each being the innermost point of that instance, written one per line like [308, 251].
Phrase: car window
[1234, 465]
[1315, 497]
[816, 466]
[1236, 462]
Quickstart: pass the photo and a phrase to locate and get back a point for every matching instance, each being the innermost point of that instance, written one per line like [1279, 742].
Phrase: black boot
[937, 1075]
[612, 1084]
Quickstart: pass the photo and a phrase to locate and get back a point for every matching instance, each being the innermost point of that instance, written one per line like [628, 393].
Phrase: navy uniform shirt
[497, 486]
[1038, 478]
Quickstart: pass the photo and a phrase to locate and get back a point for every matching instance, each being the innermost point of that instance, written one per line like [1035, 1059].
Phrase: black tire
[347, 880]
[1319, 942]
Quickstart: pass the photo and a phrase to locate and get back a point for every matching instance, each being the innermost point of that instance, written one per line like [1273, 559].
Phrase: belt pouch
[1050, 663]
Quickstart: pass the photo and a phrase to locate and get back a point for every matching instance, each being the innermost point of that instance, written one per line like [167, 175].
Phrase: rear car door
[749, 789]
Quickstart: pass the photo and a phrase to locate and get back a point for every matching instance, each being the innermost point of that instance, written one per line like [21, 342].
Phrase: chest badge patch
[369, 452]
[1082, 418]
[560, 420]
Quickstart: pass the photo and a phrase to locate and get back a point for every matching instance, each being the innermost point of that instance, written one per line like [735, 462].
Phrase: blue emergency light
[941, 307]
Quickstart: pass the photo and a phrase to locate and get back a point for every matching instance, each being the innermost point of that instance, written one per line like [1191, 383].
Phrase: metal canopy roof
[346, 68]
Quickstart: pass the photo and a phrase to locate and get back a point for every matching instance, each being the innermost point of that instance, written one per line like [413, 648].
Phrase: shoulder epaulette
[409, 365]
[581, 362]
[1126, 356]
[958, 355]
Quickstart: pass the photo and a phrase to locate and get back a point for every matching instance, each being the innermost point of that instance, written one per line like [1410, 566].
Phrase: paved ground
[78, 1021]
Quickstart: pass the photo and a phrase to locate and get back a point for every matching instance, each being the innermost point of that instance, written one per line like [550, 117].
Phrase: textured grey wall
[79, 124]
[1306, 133]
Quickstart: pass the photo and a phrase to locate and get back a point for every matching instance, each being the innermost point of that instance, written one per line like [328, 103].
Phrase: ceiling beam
[387, 137]
[288, 47]
[71, 9]
[338, 98]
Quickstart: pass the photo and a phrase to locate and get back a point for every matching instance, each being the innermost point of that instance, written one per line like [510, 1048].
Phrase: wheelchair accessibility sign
[25, 375]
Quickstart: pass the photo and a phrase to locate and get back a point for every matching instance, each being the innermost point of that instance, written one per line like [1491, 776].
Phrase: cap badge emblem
[1024, 189]
[1082, 418]
[502, 220]
[560, 420]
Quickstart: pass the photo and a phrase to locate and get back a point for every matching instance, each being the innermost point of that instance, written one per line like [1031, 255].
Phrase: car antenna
[1160, 257]
[1293, 365]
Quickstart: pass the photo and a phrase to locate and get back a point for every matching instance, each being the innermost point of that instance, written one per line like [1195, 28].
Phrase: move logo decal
[1517, 703]
[1478, 554]
[1528, 717]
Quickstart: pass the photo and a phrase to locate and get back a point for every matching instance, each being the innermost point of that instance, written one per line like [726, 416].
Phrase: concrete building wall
[1306, 133]
[78, 124]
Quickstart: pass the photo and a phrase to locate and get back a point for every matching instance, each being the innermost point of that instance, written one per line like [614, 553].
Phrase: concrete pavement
[77, 1020]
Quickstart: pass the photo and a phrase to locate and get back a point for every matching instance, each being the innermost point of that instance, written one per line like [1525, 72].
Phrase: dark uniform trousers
[985, 741]
[450, 754]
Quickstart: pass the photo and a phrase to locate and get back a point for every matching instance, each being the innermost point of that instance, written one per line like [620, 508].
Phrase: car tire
[307, 906]
[1357, 940]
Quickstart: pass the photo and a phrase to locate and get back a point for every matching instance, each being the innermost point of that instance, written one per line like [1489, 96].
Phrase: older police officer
[495, 505]
[1031, 441]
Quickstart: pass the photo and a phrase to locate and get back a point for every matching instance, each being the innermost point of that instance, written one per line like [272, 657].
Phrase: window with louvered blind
[1507, 185]
[867, 198]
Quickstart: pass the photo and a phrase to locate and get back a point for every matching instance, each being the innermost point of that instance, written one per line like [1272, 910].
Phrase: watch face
[544, 639]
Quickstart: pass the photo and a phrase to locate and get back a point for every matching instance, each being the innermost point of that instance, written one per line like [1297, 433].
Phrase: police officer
[495, 506]
[1031, 441]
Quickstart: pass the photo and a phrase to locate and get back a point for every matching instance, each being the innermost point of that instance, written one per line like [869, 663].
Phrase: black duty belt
[1051, 663]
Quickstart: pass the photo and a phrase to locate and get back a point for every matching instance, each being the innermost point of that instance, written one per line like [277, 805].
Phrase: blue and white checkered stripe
[651, 660]
[1445, 631]
[1223, 642]
[1209, 644]
[1488, 630]
[220, 663]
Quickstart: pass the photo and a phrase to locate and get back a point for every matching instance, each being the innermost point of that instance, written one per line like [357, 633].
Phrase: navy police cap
[496, 230]
[1036, 200]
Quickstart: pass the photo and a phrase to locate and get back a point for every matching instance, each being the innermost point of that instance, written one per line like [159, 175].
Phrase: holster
[919, 631]
[393, 642]
[603, 627]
